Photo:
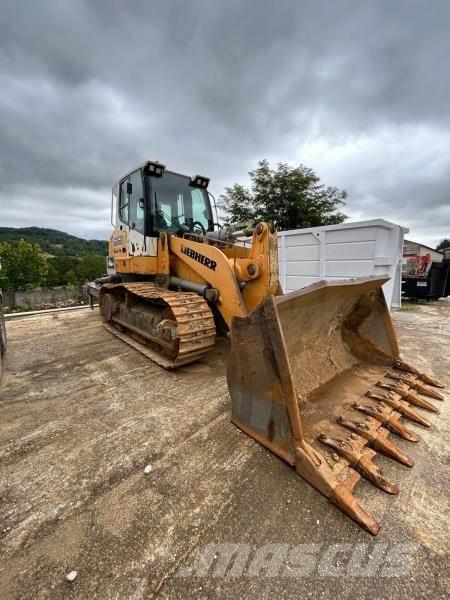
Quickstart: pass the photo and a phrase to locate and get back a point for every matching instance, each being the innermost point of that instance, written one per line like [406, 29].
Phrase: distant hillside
[54, 242]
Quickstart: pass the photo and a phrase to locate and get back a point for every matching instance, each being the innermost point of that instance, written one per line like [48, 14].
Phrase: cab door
[132, 215]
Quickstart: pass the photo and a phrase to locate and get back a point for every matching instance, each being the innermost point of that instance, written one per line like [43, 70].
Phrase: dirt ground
[82, 415]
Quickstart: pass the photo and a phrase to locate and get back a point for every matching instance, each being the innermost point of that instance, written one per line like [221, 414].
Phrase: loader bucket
[316, 377]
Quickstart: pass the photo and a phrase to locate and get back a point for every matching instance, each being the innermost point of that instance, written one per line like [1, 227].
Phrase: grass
[408, 306]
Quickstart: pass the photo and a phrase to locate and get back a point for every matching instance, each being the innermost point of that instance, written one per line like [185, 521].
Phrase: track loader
[316, 375]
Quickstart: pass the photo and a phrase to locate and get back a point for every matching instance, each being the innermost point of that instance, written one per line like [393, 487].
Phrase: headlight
[155, 169]
[199, 181]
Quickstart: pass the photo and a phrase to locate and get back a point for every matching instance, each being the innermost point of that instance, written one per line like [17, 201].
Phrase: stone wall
[44, 296]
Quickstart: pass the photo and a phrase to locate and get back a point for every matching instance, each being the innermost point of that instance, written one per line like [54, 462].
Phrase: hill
[53, 241]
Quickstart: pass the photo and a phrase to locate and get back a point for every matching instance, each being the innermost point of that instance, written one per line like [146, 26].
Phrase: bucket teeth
[314, 468]
[311, 351]
[376, 476]
[377, 440]
[362, 462]
[404, 366]
[416, 385]
[388, 420]
[400, 406]
[409, 396]
[349, 505]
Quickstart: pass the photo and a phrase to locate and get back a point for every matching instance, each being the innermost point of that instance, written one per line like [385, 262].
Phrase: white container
[341, 252]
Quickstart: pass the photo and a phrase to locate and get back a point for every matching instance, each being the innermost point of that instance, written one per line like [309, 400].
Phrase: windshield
[177, 204]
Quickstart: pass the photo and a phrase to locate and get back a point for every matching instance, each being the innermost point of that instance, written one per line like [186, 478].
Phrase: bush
[24, 267]
[73, 270]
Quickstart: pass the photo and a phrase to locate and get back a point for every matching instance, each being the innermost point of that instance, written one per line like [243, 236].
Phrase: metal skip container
[316, 376]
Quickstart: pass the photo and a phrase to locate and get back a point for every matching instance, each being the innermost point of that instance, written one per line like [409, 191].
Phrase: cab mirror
[141, 203]
[129, 188]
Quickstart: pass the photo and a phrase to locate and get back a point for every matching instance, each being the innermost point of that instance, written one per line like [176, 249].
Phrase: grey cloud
[91, 88]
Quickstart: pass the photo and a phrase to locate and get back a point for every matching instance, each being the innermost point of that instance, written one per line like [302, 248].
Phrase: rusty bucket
[316, 377]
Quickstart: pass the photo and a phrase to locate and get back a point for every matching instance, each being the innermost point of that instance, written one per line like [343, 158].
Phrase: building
[416, 249]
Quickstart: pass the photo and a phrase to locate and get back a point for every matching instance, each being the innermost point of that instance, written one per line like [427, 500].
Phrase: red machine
[417, 265]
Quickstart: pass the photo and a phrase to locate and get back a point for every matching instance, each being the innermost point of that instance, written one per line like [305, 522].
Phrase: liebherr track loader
[315, 375]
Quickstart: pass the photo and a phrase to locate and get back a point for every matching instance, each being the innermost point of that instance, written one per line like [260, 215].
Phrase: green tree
[288, 197]
[91, 267]
[445, 243]
[53, 241]
[71, 278]
[23, 266]
[59, 267]
[53, 278]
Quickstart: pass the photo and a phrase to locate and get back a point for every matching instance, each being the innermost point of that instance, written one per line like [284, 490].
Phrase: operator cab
[151, 200]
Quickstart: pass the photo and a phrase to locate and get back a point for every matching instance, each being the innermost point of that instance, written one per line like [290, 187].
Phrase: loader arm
[231, 268]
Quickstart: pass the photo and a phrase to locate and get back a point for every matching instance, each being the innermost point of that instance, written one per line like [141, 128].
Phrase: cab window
[136, 201]
[131, 207]
[199, 211]
[178, 205]
[123, 202]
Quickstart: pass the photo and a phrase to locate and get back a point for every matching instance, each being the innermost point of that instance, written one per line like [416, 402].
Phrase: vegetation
[288, 197]
[445, 243]
[74, 270]
[23, 266]
[56, 243]
[27, 265]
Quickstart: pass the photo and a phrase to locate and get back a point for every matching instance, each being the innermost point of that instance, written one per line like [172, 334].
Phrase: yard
[82, 415]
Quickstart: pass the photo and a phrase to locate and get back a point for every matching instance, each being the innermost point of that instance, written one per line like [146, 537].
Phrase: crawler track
[194, 319]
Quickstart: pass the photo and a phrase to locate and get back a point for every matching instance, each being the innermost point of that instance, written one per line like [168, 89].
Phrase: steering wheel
[191, 228]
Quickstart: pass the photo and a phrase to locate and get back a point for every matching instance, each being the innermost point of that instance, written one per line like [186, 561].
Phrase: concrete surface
[82, 414]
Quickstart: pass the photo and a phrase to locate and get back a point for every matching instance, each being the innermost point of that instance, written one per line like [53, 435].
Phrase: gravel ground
[82, 415]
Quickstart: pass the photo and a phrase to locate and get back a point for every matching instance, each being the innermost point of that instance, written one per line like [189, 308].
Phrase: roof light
[199, 181]
[154, 168]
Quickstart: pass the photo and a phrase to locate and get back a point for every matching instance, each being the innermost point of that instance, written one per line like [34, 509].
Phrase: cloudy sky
[359, 90]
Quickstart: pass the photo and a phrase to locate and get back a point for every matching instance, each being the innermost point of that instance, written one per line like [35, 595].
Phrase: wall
[43, 296]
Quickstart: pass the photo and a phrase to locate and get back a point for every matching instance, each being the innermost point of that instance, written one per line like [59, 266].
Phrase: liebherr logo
[204, 260]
